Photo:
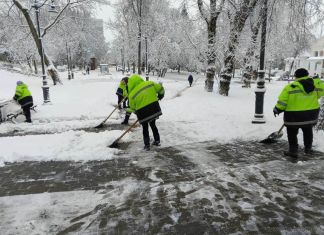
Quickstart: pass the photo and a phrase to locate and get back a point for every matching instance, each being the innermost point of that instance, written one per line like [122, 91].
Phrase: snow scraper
[103, 122]
[273, 137]
[115, 143]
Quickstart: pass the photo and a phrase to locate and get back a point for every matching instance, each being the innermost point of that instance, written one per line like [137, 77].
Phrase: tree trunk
[29, 64]
[320, 124]
[35, 66]
[250, 53]
[211, 21]
[237, 26]
[52, 70]
[134, 69]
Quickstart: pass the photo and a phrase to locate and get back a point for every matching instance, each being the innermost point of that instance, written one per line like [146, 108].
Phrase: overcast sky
[107, 13]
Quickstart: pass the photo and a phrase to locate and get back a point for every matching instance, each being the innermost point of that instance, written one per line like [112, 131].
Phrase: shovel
[115, 143]
[273, 137]
[103, 122]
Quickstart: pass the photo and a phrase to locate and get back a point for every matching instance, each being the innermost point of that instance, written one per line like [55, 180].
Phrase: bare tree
[237, 22]
[210, 16]
[25, 11]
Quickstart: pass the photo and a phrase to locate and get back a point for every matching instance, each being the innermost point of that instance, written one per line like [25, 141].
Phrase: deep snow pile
[189, 115]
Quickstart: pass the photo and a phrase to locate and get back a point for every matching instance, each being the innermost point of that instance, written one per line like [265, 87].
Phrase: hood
[22, 86]
[134, 81]
[307, 83]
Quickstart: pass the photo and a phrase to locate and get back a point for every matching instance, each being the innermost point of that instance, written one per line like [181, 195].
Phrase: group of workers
[143, 99]
[299, 101]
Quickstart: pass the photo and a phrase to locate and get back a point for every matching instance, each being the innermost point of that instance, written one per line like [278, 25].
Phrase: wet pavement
[197, 188]
[22, 132]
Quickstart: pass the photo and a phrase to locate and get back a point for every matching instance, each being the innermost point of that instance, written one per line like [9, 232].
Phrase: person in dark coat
[24, 98]
[190, 79]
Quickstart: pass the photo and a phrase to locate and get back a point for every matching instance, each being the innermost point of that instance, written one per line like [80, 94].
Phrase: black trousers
[120, 98]
[146, 135]
[26, 110]
[292, 137]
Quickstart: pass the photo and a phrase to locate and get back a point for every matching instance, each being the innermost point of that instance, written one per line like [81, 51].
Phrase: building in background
[313, 61]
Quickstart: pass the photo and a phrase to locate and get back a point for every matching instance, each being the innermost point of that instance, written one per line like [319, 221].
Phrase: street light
[52, 8]
[146, 65]
[139, 38]
[260, 89]
[67, 61]
[270, 67]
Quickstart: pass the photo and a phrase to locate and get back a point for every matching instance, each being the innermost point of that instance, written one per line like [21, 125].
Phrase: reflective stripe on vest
[295, 92]
[300, 123]
[142, 89]
[151, 117]
[281, 103]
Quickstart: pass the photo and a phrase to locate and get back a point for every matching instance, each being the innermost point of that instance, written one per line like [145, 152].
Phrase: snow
[189, 115]
[59, 132]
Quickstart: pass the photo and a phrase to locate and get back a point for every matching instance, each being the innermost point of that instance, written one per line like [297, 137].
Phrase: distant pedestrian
[88, 69]
[24, 98]
[144, 99]
[299, 102]
[190, 79]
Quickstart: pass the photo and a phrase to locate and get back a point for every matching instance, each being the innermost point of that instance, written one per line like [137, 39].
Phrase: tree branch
[202, 11]
[55, 20]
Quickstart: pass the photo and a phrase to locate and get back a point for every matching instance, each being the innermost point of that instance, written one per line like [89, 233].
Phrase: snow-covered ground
[59, 133]
[189, 115]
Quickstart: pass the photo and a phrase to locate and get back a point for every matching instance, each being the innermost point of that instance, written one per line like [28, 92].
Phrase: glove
[276, 112]
[160, 96]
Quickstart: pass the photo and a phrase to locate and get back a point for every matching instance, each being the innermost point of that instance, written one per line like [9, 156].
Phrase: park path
[196, 188]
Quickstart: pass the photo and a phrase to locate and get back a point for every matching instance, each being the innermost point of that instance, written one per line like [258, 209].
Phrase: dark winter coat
[190, 79]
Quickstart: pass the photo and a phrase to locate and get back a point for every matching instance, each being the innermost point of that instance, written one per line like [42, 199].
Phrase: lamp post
[139, 37]
[270, 67]
[146, 63]
[45, 86]
[260, 89]
[68, 64]
[71, 69]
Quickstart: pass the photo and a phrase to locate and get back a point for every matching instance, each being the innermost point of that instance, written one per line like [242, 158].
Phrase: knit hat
[19, 83]
[125, 79]
[299, 73]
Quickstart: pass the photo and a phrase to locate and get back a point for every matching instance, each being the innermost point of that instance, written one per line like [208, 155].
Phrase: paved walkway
[199, 188]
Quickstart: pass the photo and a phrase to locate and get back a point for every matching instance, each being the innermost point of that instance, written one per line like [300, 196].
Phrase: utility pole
[139, 37]
[260, 89]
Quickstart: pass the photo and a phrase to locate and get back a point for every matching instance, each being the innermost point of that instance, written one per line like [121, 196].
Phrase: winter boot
[308, 151]
[147, 147]
[291, 154]
[156, 143]
[125, 122]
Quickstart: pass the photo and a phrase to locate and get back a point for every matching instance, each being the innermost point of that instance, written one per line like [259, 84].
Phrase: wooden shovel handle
[283, 125]
[128, 129]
